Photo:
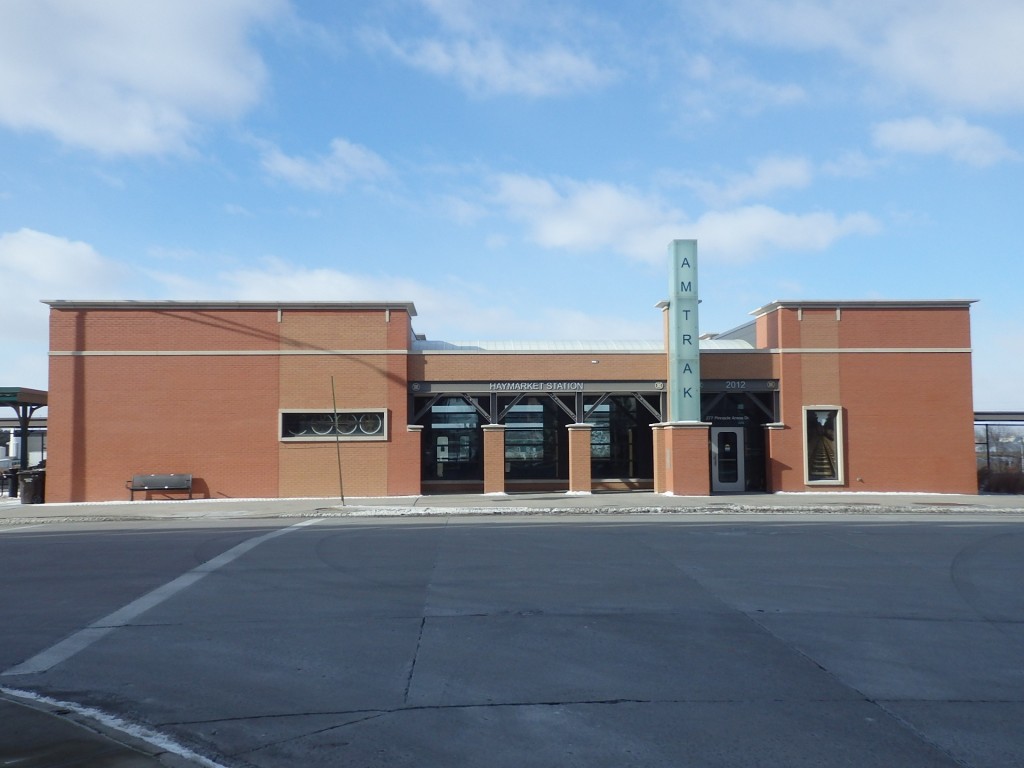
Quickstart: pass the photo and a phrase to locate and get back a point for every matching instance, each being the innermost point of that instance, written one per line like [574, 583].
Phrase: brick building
[309, 399]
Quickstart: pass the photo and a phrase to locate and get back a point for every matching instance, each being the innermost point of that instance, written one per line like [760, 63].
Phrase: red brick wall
[368, 380]
[113, 417]
[910, 426]
[946, 327]
[907, 415]
[738, 365]
[687, 465]
[534, 367]
[216, 415]
[171, 329]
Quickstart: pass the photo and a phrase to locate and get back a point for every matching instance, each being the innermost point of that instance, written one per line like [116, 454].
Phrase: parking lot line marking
[82, 639]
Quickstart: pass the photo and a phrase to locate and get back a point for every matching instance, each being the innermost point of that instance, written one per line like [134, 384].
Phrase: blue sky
[516, 169]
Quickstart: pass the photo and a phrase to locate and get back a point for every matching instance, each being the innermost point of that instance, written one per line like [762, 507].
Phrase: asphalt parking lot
[519, 631]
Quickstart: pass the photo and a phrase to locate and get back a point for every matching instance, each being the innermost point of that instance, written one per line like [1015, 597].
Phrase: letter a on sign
[684, 353]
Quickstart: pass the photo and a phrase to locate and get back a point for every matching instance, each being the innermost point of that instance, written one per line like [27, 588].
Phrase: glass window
[536, 441]
[452, 441]
[600, 434]
[999, 449]
[823, 444]
[331, 425]
[620, 441]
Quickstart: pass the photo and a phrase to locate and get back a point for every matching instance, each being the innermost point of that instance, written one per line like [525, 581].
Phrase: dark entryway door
[727, 470]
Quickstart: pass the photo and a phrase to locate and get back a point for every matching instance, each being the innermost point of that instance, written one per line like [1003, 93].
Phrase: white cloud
[953, 136]
[498, 48]
[124, 77]
[587, 216]
[44, 266]
[451, 310]
[746, 233]
[345, 164]
[851, 165]
[274, 279]
[768, 176]
[592, 216]
[713, 88]
[489, 66]
[460, 15]
[40, 266]
[964, 53]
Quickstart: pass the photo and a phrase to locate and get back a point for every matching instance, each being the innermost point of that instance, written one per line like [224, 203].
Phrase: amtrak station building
[317, 399]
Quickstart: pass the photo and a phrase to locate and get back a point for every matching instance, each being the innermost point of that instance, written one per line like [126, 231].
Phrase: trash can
[32, 482]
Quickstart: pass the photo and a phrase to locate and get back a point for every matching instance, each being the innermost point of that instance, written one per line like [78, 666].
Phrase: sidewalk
[13, 512]
[35, 734]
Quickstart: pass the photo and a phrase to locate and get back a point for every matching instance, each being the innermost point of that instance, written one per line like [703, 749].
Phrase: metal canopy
[25, 402]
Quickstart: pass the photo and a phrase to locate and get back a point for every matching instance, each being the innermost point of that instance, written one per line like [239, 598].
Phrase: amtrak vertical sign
[683, 333]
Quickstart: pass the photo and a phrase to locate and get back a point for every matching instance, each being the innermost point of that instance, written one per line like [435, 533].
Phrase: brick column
[580, 473]
[658, 435]
[687, 458]
[405, 475]
[494, 458]
[773, 436]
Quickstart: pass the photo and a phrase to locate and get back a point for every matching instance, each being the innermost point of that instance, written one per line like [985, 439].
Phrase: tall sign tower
[683, 333]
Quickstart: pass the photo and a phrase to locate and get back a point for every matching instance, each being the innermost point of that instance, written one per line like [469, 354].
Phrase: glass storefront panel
[536, 440]
[621, 445]
[452, 441]
[999, 449]
[536, 434]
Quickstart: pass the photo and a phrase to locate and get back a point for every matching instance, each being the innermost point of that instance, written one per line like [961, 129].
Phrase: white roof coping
[165, 305]
[652, 347]
[866, 304]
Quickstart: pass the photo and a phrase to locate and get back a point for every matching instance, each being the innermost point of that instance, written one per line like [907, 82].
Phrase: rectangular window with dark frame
[823, 445]
[333, 425]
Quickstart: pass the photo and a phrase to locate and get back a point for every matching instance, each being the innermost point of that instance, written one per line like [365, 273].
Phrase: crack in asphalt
[375, 712]
[415, 656]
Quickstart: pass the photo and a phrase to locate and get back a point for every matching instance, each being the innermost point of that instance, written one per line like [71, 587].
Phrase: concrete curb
[15, 514]
[50, 732]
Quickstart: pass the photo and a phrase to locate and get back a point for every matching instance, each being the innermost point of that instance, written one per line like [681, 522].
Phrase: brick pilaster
[494, 458]
[687, 458]
[658, 436]
[580, 473]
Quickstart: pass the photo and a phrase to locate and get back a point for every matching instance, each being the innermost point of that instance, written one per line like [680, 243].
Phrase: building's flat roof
[854, 304]
[625, 347]
[406, 306]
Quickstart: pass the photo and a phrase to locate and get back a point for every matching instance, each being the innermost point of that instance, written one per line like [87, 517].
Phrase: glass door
[727, 459]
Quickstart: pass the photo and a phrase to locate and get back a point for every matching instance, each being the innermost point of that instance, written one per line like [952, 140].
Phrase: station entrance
[536, 424]
[536, 420]
[738, 412]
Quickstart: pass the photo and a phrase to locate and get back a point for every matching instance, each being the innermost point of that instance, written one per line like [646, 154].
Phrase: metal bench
[168, 483]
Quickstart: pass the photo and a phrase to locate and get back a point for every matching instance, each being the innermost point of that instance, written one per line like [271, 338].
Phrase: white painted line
[21, 528]
[82, 639]
[154, 738]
